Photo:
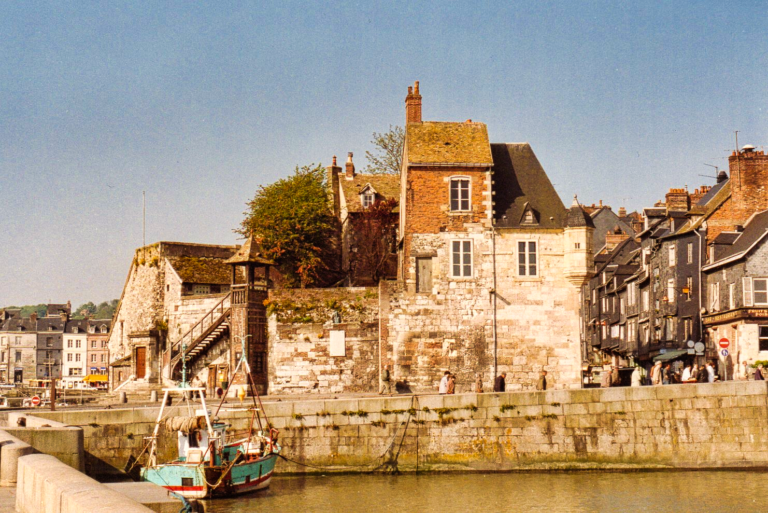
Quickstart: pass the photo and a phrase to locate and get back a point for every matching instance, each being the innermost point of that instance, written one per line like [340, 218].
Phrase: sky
[200, 103]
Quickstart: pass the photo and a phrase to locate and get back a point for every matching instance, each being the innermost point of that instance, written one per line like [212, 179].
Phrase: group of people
[663, 374]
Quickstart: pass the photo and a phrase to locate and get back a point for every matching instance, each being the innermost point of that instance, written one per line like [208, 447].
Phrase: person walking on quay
[710, 372]
[702, 376]
[479, 384]
[743, 373]
[686, 373]
[637, 377]
[656, 374]
[605, 378]
[759, 373]
[500, 384]
[542, 383]
[386, 382]
[615, 377]
[666, 374]
[451, 384]
[443, 389]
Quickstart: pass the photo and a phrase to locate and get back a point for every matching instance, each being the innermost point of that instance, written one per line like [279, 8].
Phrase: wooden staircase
[205, 333]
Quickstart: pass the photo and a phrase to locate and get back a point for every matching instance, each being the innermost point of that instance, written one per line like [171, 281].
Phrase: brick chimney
[622, 212]
[678, 200]
[413, 105]
[350, 171]
[749, 179]
[614, 237]
[332, 180]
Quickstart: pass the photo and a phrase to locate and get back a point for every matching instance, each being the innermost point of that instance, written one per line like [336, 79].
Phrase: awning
[96, 378]
[670, 355]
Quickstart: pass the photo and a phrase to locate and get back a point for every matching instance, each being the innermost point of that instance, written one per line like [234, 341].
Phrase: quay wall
[721, 425]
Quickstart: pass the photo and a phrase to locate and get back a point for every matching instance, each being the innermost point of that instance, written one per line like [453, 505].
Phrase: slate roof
[18, 324]
[722, 194]
[80, 324]
[520, 180]
[55, 309]
[45, 323]
[386, 186]
[577, 216]
[711, 193]
[726, 238]
[444, 143]
[606, 220]
[201, 270]
[755, 229]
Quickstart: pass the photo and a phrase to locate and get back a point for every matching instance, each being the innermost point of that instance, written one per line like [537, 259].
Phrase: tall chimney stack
[350, 171]
[413, 105]
[332, 180]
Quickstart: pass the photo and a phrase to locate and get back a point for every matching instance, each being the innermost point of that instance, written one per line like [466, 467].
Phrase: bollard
[9, 460]
[153, 396]
[123, 398]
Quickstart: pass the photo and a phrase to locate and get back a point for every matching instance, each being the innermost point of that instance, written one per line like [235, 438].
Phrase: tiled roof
[520, 181]
[201, 270]
[755, 229]
[386, 186]
[442, 143]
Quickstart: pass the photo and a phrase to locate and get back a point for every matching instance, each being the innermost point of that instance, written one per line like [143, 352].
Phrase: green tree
[293, 221]
[387, 157]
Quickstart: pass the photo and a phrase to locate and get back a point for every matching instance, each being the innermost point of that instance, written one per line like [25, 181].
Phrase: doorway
[141, 362]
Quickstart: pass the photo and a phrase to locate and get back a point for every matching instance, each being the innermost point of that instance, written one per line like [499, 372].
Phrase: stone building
[18, 347]
[737, 299]
[368, 251]
[170, 288]
[490, 264]
[50, 337]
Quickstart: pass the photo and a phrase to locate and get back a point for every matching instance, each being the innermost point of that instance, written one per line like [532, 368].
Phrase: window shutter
[747, 282]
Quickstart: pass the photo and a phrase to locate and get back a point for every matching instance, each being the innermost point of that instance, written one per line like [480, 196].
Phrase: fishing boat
[208, 464]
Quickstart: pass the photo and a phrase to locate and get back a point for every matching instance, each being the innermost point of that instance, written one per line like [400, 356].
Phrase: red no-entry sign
[724, 343]
[35, 401]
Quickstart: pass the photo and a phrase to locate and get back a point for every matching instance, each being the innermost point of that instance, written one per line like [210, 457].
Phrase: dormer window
[74, 330]
[366, 199]
[103, 328]
[460, 195]
[529, 216]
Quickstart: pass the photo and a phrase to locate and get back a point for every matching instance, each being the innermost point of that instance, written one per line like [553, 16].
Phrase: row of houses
[690, 284]
[33, 350]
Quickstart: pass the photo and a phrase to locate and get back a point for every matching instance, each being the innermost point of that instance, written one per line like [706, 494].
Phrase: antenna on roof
[717, 169]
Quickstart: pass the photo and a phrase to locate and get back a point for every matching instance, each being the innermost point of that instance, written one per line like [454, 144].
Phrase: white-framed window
[77, 357]
[77, 343]
[714, 298]
[623, 332]
[672, 255]
[690, 252]
[93, 344]
[623, 306]
[69, 357]
[367, 199]
[760, 291]
[103, 358]
[671, 290]
[69, 344]
[527, 258]
[670, 328]
[461, 258]
[103, 328]
[689, 287]
[731, 296]
[93, 358]
[646, 300]
[688, 328]
[460, 193]
[632, 294]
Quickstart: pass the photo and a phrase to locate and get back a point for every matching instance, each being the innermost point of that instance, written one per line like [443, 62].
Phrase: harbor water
[657, 492]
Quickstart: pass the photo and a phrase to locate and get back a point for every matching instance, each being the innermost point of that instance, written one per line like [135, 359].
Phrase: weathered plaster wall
[680, 426]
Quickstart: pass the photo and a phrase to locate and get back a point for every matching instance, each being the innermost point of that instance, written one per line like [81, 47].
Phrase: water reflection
[655, 492]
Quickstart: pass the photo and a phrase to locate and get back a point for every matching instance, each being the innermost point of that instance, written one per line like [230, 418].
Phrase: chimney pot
[416, 87]
[334, 161]
[350, 167]
[413, 105]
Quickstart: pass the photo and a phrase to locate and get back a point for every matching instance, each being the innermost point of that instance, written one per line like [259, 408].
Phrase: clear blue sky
[198, 103]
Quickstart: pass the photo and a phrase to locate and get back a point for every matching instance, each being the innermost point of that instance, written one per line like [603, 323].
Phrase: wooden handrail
[203, 324]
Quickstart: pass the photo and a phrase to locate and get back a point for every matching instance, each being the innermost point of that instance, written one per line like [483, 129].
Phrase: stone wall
[719, 425]
[300, 326]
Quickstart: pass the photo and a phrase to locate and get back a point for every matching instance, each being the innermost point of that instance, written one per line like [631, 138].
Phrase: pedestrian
[605, 378]
[656, 374]
[500, 383]
[615, 377]
[686, 373]
[666, 374]
[386, 381]
[702, 376]
[759, 373]
[479, 384]
[451, 384]
[637, 377]
[443, 389]
[743, 371]
[542, 383]
[710, 372]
